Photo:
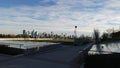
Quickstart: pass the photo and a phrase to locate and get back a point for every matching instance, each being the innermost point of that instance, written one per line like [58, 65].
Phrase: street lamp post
[75, 38]
[75, 32]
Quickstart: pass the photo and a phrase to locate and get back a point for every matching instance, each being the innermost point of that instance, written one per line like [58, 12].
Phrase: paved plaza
[63, 57]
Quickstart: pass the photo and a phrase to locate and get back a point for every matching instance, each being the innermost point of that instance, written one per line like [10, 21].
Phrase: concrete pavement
[62, 57]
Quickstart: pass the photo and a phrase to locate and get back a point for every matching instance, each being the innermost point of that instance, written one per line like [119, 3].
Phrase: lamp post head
[75, 26]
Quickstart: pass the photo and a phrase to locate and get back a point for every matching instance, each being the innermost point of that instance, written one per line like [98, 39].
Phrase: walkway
[66, 56]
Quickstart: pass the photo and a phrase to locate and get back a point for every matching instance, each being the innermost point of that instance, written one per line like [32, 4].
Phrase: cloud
[61, 16]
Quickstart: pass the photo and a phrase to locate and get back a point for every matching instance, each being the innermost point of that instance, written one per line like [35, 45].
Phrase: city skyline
[59, 16]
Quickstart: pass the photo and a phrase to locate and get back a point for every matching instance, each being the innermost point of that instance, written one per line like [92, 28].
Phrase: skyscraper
[24, 33]
[33, 33]
[36, 34]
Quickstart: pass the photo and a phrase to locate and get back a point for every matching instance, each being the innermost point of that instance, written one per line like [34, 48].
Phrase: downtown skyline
[59, 16]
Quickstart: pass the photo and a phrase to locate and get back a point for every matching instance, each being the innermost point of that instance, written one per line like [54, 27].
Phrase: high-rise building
[33, 33]
[28, 33]
[36, 34]
[24, 33]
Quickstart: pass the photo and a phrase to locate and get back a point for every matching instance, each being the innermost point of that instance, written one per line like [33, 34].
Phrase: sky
[59, 16]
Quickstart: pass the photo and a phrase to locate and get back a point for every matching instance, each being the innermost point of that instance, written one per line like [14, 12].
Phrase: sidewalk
[62, 57]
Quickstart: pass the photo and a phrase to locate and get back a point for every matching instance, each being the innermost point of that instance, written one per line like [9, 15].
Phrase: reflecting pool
[25, 44]
[107, 48]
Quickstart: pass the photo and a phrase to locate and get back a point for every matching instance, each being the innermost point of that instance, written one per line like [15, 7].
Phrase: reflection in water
[25, 44]
[107, 48]
[99, 48]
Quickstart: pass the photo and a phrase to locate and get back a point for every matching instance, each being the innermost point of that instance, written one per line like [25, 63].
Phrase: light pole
[75, 38]
[75, 32]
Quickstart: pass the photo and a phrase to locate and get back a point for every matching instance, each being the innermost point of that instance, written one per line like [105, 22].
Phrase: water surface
[25, 44]
[107, 48]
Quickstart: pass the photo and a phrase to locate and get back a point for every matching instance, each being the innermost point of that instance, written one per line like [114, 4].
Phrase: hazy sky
[58, 15]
